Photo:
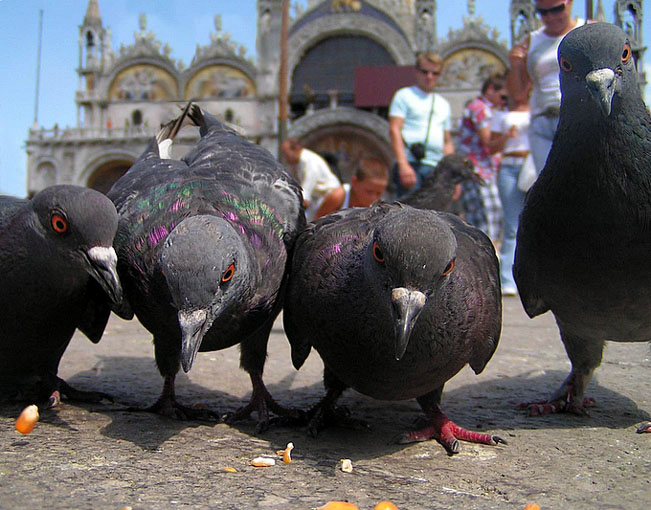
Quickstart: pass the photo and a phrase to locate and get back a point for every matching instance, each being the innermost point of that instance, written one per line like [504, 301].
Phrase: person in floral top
[481, 201]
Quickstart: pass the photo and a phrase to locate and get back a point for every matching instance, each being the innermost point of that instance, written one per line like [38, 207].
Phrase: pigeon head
[459, 167]
[410, 254]
[77, 226]
[207, 269]
[597, 69]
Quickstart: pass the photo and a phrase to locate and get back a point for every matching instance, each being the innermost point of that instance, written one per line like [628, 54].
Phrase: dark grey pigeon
[442, 187]
[396, 300]
[203, 243]
[583, 243]
[57, 273]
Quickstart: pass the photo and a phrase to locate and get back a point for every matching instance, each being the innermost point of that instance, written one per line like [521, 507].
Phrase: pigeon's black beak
[103, 262]
[407, 305]
[193, 325]
[601, 84]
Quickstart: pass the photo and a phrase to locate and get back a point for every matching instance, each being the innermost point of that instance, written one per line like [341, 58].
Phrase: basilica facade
[345, 60]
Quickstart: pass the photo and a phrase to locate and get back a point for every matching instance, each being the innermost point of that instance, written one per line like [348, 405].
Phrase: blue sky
[181, 23]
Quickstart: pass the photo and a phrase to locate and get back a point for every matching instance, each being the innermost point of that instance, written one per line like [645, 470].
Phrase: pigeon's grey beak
[601, 84]
[103, 262]
[407, 305]
[193, 325]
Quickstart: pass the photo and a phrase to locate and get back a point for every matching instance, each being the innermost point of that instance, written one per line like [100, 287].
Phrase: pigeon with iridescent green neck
[203, 243]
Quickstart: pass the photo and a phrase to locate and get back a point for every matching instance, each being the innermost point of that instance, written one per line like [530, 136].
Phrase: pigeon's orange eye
[59, 224]
[228, 274]
[377, 253]
[626, 54]
[448, 269]
[566, 65]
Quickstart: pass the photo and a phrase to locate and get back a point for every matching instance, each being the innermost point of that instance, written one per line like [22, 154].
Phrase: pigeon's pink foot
[448, 433]
[644, 428]
[544, 407]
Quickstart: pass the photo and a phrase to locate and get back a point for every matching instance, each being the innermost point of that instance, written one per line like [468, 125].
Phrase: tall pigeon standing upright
[202, 244]
[57, 274]
[396, 300]
[584, 239]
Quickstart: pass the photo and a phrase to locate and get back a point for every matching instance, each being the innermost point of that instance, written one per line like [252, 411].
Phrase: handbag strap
[429, 123]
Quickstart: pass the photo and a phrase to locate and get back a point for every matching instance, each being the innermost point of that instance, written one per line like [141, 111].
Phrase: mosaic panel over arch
[143, 82]
[469, 67]
[219, 81]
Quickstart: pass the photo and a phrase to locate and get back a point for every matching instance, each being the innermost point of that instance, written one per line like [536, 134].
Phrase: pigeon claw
[448, 434]
[545, 407]
[644, 427]
[170, 408]
[54, 400]
[262, 402]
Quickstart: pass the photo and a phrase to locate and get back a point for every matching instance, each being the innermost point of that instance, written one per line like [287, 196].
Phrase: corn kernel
[346, 465]
[263, 462]
[27, 419]
[385, 505]
[338, 505]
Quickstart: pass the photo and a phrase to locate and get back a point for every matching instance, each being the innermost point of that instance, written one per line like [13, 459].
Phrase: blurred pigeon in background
[442, 187]
[396, 300]
[584, 240]
[57, 273]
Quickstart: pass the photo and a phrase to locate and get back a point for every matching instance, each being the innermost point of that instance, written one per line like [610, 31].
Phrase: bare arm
[331, 202]
[405, 170]
[518, 81]
[448, 145]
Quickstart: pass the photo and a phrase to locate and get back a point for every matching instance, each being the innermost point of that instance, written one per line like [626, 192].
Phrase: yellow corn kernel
[287, 453]
[385, 505]
[338, 505]
[27, 419]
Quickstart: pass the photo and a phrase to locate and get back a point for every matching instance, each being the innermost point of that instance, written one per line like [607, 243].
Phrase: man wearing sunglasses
[419, 126]
[534, 70]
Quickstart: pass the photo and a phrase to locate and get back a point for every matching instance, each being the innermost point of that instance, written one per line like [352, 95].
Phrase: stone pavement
[100, 456]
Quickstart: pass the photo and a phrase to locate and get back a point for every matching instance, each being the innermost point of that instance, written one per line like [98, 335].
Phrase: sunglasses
[552, 10]
[426, 72]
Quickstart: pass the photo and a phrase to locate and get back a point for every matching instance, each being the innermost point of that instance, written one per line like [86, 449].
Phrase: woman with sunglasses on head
[534, 67]
[419, 126]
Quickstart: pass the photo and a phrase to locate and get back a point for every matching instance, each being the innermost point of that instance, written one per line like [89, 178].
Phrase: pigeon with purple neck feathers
[583, 243]
[396, 300]
[202, 244]
[57, 274]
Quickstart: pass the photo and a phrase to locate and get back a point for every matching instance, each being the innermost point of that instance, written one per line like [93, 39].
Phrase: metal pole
[282, 86]
[38, 66]
[588, 10]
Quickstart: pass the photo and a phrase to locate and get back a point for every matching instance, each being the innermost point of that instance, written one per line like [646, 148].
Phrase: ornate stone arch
[341, 24]
[239, 69]
[101, 172]
[351, 133]
[166, 69]
[45, 173]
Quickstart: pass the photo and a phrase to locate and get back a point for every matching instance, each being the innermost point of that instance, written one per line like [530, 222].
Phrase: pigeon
[203, 244]
[395, 300]
[442, 187]
[583, 240]
[57, 274]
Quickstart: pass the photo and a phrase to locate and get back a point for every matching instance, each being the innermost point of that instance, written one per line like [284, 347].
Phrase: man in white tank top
[534, 69]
